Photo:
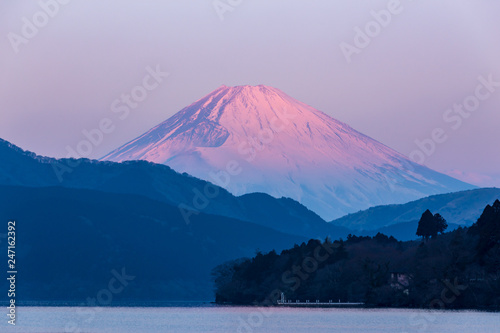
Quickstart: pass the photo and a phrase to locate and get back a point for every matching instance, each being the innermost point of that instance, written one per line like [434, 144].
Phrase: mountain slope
[462, 208]
[402, 231]
[258, 139]
[69, 241]
[161, 183]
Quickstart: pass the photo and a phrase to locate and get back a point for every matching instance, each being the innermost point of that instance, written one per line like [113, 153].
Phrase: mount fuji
[258, 139]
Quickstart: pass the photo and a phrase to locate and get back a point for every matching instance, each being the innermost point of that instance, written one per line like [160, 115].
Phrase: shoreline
[211, 304]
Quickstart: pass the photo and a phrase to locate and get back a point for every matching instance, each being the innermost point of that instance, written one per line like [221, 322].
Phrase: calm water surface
[247, 319]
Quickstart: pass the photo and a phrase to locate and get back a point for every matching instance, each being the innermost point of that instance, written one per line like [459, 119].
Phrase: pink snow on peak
[283, 147]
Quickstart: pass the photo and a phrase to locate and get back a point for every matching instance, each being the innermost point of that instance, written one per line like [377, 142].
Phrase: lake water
[246, 319]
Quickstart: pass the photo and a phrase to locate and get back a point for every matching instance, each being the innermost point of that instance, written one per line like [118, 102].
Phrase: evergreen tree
[425, 225]
[430, 225]
[440, 223]
[487, 228]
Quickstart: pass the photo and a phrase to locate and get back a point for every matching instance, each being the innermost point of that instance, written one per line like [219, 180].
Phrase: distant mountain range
[258, 139]
[159, 182]
[460, 208]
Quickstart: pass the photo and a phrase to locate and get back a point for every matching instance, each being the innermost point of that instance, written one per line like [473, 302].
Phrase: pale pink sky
[396, 89]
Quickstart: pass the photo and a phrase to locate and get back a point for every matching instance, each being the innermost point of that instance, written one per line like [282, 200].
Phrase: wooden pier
[317, 303]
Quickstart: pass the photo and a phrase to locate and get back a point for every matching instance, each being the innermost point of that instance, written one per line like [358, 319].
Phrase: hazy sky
[427, 57]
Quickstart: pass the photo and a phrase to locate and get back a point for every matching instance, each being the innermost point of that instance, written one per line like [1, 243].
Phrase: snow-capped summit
[258, 139]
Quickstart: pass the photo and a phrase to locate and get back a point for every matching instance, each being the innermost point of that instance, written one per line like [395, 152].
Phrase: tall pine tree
[430, 225]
